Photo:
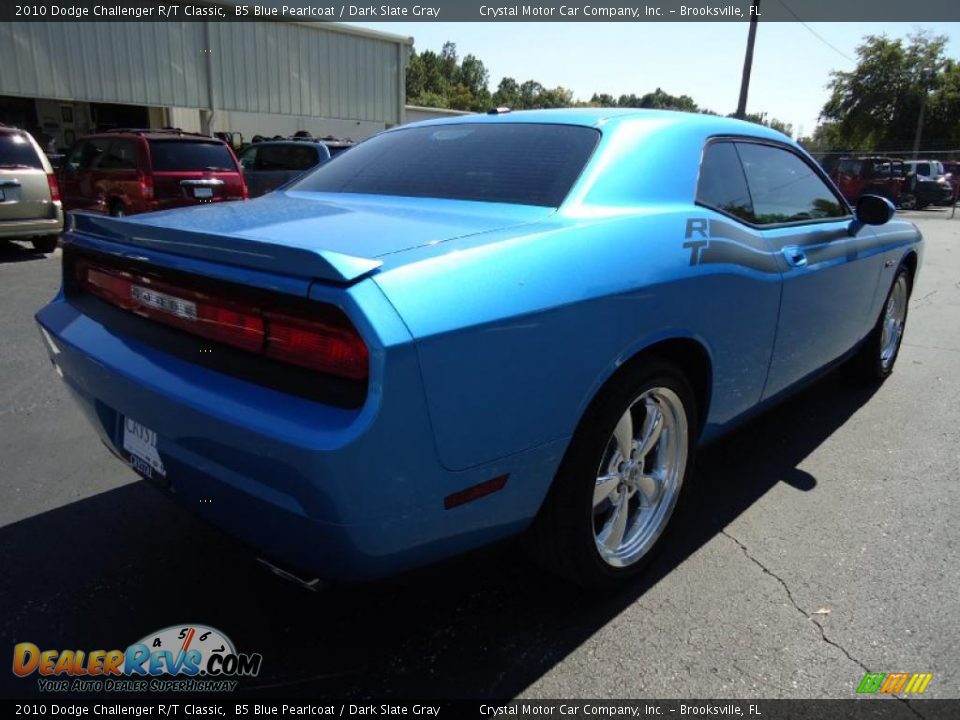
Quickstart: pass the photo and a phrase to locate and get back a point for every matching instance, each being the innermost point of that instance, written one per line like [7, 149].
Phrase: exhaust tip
[313, 584]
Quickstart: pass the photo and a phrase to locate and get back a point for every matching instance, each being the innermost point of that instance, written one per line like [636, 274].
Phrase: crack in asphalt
[807, 615]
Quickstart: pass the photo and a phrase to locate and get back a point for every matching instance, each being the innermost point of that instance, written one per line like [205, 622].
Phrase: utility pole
[748, 59]
[926, 78]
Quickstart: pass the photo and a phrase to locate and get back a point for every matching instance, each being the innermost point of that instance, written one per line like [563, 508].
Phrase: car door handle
[795, 256]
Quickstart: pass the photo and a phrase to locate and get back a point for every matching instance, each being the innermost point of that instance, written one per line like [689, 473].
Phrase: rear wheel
[621, 479]
[45, 244]
[879, 352]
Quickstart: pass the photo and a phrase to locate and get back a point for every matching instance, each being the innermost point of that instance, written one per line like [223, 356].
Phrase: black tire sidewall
[573, 487]
[45, 245]
[876, 344]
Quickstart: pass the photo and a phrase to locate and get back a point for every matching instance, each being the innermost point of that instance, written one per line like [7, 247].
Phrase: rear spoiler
[227, 249]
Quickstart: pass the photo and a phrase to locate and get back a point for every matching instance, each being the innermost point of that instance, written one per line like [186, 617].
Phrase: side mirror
[874, 210]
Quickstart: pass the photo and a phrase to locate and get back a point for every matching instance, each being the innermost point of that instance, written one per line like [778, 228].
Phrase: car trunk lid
[321, 236]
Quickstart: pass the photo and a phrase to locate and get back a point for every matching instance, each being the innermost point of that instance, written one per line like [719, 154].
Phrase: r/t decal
[700, 226]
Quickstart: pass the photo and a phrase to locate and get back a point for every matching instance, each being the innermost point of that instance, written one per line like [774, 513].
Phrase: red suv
[133, 171]
[874, 175]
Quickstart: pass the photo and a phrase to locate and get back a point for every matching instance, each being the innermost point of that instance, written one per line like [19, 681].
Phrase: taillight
[146, 186]
[322, 345]
[54, 187]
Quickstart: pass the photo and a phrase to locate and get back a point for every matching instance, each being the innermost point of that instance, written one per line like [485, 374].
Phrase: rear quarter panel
[515, 338]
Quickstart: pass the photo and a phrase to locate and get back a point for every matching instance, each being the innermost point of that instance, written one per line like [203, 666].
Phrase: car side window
[120, 155]
[248, 158]
[722, 185]
[784, 188]
[93, 152]
[75, 158]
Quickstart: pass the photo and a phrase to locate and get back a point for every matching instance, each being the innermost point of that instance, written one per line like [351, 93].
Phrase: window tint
[120, 155]
[17, 151]
[93, 151]
[527, 164]
[76, 155]
[784, 188]
[850, 167]
[248, 158]
[186, 155]
[286, 157]
[722, 185]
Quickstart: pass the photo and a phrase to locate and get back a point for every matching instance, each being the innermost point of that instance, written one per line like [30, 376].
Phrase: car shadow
[106, 571]
[11, 252]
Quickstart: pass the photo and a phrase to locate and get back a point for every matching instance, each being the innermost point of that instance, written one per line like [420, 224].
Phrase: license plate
[203, 192]
[140, 442]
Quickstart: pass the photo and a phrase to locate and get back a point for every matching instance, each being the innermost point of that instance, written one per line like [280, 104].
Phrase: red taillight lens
[316, 345]
[54, 187]
[146, 186]
[323, 346]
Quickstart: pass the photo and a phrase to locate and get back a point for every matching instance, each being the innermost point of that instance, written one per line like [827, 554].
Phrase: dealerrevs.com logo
[179, 658]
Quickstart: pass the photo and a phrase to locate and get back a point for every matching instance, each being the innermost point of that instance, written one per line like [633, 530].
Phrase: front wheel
[46, 244]
[622, 478]
[882, 346]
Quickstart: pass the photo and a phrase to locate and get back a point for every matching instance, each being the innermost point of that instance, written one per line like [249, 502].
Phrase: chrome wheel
[894, 317]
[639, 477]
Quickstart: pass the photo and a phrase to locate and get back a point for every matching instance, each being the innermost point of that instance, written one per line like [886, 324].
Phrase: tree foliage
[876, 105]
[445, 81]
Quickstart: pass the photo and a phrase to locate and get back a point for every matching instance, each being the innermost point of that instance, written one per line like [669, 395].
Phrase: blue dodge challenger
[473, 328]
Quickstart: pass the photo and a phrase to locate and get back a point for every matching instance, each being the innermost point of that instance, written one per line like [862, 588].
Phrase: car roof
[600, 117]
[287, 142]
[155, 135]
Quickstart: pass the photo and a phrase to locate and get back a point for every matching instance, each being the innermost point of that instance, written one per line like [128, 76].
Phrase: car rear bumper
[340, 494]
[33, 227]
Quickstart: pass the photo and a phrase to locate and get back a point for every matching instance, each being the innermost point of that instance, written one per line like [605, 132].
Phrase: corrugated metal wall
[300, 70]
[256, 67]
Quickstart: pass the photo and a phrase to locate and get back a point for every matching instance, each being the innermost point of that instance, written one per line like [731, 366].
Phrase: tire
[604, 519]
[117, 209]
[46, 244]
[882, 347]
[907, 202]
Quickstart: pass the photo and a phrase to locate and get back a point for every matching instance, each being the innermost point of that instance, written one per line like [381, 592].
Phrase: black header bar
[480, 11]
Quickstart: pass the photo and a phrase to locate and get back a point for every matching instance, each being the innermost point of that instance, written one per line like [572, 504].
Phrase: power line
[815, 33]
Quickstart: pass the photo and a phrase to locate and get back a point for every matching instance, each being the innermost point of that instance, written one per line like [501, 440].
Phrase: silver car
[30, 207]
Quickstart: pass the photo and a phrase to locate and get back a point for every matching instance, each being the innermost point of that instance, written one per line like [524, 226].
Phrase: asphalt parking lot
[822, 542]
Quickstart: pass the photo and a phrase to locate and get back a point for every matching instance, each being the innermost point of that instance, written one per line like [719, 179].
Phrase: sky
[792, 61]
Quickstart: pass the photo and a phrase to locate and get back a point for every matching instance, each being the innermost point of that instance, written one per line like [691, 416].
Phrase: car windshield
[526, 164]
[16, 151]
[172, 155]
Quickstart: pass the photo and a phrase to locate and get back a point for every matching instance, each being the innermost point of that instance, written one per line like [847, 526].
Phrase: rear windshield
[16, 151]
[286, 157]
[526, 164]
[186, 155]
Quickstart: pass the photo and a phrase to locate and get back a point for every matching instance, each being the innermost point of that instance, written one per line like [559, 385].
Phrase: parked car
[336, 145]
[30, 206]
[931, 185]
[952, 169]
[473, 328]
[124, 172]
[268, 165]
[882, 176]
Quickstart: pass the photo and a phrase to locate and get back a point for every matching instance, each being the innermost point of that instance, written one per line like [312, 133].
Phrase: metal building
[63, 80]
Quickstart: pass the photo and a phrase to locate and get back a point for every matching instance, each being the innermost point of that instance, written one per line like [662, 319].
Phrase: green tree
[507, 94]
[877, 105]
